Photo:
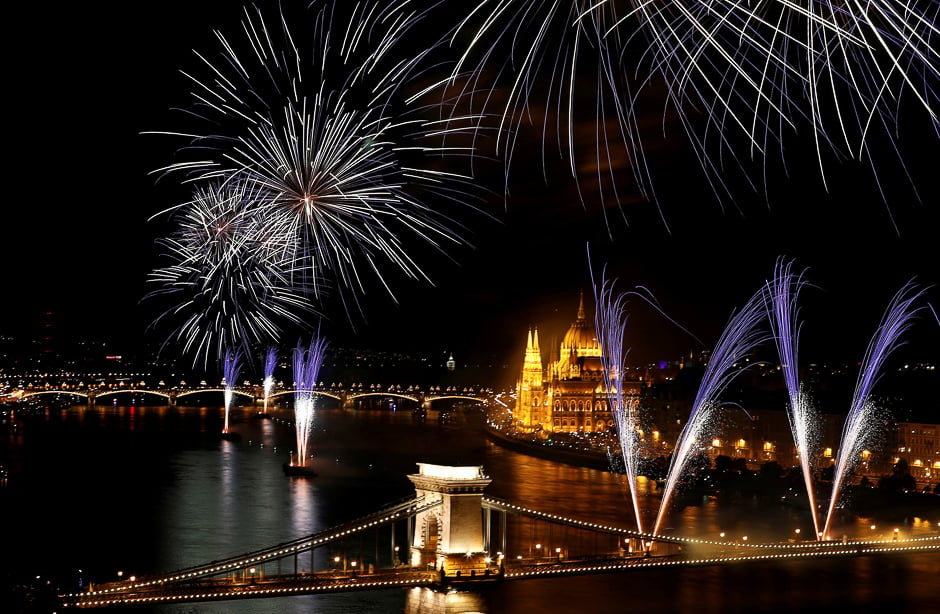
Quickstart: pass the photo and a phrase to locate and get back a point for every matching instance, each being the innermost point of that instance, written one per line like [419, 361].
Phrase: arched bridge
[347, 398]
[449, 535]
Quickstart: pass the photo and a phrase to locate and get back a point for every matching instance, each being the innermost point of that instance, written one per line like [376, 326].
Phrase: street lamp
[538, 551]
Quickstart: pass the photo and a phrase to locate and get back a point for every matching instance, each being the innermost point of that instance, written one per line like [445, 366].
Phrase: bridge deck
[218, 589]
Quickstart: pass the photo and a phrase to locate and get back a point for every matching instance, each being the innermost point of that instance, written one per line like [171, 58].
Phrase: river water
[94, 492]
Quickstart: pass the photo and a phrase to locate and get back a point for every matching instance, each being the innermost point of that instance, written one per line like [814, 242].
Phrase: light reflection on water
[209, 499]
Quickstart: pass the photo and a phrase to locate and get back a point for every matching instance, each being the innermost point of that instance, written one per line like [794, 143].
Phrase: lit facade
[568, 394]
[919, 445]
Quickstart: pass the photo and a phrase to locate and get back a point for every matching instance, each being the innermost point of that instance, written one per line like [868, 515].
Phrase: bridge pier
[449, 537]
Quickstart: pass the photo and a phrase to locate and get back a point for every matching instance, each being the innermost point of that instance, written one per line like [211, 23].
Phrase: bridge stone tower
[450, 536]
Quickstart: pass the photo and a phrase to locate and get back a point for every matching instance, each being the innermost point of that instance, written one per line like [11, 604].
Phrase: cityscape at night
[437, 307]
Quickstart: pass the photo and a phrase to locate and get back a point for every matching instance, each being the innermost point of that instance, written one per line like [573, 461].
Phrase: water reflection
[267, 432]
[301, 506]
[207, 499]
[426, 601]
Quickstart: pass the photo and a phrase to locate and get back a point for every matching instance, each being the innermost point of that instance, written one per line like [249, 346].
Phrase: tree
[900, 479]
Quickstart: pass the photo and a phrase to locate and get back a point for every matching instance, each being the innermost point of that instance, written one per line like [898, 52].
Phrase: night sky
[91, 78]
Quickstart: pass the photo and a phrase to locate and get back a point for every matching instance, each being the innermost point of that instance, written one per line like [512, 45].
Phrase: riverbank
[862, 502]
[592, 460]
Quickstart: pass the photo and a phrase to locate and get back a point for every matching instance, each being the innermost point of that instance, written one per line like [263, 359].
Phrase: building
[568, 393]
[919, 445]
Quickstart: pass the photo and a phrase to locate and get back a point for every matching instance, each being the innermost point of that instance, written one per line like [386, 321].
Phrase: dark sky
[92, 77]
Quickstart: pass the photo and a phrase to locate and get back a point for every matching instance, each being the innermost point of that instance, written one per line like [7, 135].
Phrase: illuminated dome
[581, 338]
[579, 355]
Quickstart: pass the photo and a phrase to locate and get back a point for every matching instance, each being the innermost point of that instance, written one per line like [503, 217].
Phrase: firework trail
[323, 122]
[896, 321]
[839, 70]
[740, 337]
[228, 283]
[270, 362]
[610, 323]
[230, 372]
[531, 59]
[307, 362]
[783, 293]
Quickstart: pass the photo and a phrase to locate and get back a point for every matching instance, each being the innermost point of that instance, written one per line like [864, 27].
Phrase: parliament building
[569, 393]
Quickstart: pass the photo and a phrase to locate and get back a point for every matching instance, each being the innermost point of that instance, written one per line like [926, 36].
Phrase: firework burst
[322, 121]
[840, 71]
[537, 63]
[228, 283]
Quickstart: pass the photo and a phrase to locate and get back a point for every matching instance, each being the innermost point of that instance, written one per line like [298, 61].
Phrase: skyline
[525, 271]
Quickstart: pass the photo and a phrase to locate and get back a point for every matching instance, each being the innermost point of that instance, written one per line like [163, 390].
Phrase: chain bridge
[450, 535]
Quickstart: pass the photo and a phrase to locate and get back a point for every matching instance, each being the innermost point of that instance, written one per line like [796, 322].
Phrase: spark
[783, 293]
[307, 362]
[230, 370]
[270, 362]
[610, 323]
[896, 321]
[740, 337]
